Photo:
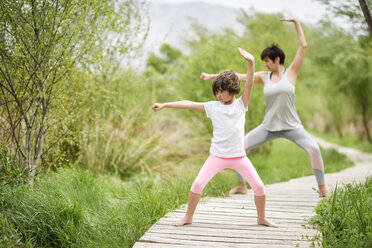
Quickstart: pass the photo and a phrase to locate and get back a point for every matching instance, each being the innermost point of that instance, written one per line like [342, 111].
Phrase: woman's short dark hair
[272, 52]
[226, 80]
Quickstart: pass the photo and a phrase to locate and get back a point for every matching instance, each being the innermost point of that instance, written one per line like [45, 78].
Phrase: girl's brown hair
[226, 80]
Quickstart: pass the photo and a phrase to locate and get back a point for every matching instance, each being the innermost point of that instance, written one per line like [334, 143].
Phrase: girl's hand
[205, 76]
[246, 55]
[288, 20]
[157, 106]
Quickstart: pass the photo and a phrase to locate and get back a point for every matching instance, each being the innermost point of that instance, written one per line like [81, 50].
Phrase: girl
[281, 119]
[227, 148]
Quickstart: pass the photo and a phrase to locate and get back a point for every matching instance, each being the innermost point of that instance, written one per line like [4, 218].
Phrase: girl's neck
[229, 101]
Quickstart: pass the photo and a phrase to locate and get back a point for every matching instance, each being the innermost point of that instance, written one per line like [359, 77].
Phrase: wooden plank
[214, 240]
[212, 217]
[236, 226]
[269, 204]
[163, 245]
[262, 233]
[249, 201]
[248, 226]
[269, 209]
[245, 213]
[279, 203]
[249, 211]
[217, 213]
[225, 236]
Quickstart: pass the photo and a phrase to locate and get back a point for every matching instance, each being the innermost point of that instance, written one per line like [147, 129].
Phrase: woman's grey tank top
[281, 111]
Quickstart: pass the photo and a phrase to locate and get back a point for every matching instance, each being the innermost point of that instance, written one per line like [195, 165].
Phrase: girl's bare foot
[182, 222]
[266, 222]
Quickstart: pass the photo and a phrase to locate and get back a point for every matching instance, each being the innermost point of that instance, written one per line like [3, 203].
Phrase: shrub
[10, 171]
[345, 219]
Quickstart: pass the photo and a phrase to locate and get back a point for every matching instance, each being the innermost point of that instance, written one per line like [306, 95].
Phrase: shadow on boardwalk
[231, 221]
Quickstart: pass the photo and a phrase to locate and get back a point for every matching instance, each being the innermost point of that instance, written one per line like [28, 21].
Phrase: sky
[307, 10]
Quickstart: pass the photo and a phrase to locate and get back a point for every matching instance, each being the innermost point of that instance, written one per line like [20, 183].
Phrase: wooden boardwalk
[231, 221]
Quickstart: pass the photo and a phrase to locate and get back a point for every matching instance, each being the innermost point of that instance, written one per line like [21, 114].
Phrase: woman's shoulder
[263, 72]
[261, 76]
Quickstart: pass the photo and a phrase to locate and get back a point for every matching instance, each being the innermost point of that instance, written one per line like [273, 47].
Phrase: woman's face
[269, 64]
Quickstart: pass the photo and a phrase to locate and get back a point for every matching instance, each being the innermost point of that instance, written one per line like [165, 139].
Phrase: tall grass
[119, 147]
[73, 208]
[137, 143]
[345, 219]
[51, 213]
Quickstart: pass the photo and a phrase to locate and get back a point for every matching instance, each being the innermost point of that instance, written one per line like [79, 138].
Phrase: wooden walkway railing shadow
[231, 221]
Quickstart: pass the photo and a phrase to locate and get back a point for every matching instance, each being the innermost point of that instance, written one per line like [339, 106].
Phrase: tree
[352, 62]
[353, 11]
[354, 75]
[367, 13]
[41, 44]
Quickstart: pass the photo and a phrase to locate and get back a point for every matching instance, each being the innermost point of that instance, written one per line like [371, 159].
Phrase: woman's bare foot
[240, 189]
[266, 222]
[182, 222]
[324, 193]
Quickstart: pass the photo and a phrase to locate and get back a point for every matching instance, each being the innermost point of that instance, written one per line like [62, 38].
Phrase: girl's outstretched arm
[295, 66]
[247, 92]
[184, 104]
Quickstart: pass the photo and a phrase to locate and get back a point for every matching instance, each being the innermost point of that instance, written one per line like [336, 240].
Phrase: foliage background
[117, 162]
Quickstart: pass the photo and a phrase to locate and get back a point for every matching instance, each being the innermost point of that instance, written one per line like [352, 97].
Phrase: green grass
[74, 208]
[345, 219]
[349, 141]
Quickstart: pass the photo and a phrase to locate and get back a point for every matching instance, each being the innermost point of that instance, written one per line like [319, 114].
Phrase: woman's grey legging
[299, 136]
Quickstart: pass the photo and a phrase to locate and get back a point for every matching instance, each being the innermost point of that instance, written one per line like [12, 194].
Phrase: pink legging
[215, 164]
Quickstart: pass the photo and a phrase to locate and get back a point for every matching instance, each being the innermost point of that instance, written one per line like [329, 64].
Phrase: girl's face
[225, 97]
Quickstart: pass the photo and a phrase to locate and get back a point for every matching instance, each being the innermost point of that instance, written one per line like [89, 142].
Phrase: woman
[281, 119]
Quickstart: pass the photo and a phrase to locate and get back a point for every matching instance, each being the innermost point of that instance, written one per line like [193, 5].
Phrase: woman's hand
[288, 20]
[246, 55]
[157, 106]
[205, 76]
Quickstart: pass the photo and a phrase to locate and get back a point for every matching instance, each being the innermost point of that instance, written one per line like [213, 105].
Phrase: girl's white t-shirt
[228, 128]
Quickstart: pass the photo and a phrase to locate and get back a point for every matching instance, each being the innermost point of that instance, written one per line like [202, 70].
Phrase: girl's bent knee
[259, 190]
[196, 188]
